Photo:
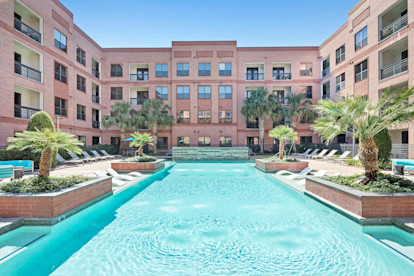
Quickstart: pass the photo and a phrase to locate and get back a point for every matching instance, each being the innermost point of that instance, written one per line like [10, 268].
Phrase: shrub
[38, 184]
[144, 158]
[41, 121]
[384, 144]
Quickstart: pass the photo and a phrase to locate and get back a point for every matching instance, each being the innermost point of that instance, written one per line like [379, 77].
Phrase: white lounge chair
[130, 176]
[115, 181]
[94, 152]
[75, 157]
[299, 177]
[329, 155]
[305, 171]
[62, 160]
[342, 157]
[311, 154]
[304, 153]
[116, 156]
[321, 154]
[87, 155]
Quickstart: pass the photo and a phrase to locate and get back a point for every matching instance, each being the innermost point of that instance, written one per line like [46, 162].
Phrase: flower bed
[274, 165]
[52, 204]
[128, 165]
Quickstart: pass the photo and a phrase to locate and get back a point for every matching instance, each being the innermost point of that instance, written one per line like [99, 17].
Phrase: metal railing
[325, 72]
[137, 101]
[394, 69]
[95, 73]
[96, 124]
[24, 112]
[306, 72]
[340, 86]
[27, 30]
[252, 125]
[27, 71]
[96, 99]
[394, 26]
[254, 76]
[138, 77]
[183, 120]
[282, 76]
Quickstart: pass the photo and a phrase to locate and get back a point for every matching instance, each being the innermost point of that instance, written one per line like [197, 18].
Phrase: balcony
[138, 95]
[138, 77]
[254, 76]
[27, 22]
[393, 20]
[96, 69]
[96, 73]
[138, 72]
[282, 71]
[394, 27]
[282, 76]
[27, 30]
[27, 72]
[24, 112]
[137, 101]
[96, 99]
[183, 120]
[394, 59]
[394, 69]
[252, 124]
[27, 62]
[96, 124]
[254, 71]
[96, 93]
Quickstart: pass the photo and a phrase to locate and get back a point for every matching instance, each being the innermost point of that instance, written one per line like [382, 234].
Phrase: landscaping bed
[274, 164]
[146, 164]
[39, 184]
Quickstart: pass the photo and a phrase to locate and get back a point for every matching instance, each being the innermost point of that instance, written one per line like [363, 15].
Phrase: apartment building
[50, 64]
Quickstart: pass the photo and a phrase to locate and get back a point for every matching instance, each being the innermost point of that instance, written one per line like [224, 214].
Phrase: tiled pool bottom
[207, 219]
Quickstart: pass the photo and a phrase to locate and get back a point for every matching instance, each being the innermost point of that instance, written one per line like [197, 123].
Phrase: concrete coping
[153, 162]
[58, 193]
[266, 161]
[355, 192]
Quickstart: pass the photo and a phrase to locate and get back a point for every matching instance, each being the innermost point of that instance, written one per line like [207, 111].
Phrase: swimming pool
[207, 218]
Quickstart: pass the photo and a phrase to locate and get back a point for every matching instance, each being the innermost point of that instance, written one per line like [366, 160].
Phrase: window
[96, 140]
[116, 93]
[252, 123]
[60, 40]
[204, 92]
[225, 117]
[60, 106]
[340, 82]
[80, 55]
[183, 141]
[225, 141]
[116, 70]
[225, 69]
[162, 143]
[183, 69]
[340, 54]
[142, 74]
[326, 90]
[80, 111]
[306, 91]
[161, 70]
[204, 117]
[361, 38]
[305, 140]
[80, 83]
[204, 69]
[183, 92]
[183, 117]
[115, 142]
[162, 93]
[361, 71]
[60, 72]
[82, 139]
[225, 92]
[325, 67]
[204, 141]
[280, 96]
[306, 69]
[404, 137]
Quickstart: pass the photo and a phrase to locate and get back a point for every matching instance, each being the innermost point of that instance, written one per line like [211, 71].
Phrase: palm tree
[283, 133]
[141, 139]
[298, 109]
[367, 119]
[154, 115]
[123, 117]
[45, 142]
[259, 106]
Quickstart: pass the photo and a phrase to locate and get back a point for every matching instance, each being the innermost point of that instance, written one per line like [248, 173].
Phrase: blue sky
[155, 23]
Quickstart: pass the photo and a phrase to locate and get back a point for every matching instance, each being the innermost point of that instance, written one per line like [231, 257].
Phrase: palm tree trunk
[281, 149]
[155, 137]
[140, 150]
[123, 143]
[262, 122]
[368, 152]
[45, 162]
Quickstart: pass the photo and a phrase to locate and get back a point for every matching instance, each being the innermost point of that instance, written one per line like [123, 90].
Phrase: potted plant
[276, 163]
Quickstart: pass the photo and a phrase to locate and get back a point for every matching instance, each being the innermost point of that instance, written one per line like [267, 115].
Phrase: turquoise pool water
[207, 219]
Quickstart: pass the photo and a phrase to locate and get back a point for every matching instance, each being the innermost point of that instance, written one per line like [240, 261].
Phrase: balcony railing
[183, 120]
[282, 76]
[138, 77]
[254, 76]
[96, 99]
[394, 69]
[96, 124]
[325, 72]
[340, 86]
[27, 30]
[137, 101]
[394, 27]
[252, 125]
[27, 71]
[95, 73]
[24, 112]
[306, 72]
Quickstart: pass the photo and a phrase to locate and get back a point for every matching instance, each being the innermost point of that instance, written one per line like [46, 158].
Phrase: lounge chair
[313, 153]
[296, 154]
[87, 155]
[251, 152]
[130, 176]
[94, 152]
[304, 153]
[115, 181]
[62, 160]
[169, 153]
[321, 154]
[305, 171]
[342, 157]
[299, 177]
[329, 155]
[116, 156]
[75, 157]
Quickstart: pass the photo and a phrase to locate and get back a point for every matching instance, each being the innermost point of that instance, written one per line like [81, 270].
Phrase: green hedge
[15, 154]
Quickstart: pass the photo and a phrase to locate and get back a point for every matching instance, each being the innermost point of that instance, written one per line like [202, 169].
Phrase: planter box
[50, 205]
[267, 166]
[363, 204]
[146, 167]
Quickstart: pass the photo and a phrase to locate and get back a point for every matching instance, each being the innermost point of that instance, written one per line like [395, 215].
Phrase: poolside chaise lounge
[297, 154]
[115, 181]
[329, 155]
[129, 176]
[300, 177]
[116, 156]
[87, 155]
[94, 152]
[305, 171]
[321, 154]
[63, 161]
[6, 171]
[75, 157]
[313, 153]
[342, 157]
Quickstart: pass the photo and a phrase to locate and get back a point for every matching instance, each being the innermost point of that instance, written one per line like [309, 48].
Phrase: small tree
[298, 109]
[141, 139]
[283, 134]
[45, 142]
